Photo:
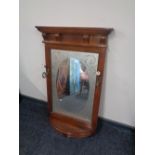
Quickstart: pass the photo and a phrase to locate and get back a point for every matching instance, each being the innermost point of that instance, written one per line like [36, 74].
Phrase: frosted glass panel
[73, 82]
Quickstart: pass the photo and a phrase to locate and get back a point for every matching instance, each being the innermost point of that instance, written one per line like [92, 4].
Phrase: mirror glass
[73, 82]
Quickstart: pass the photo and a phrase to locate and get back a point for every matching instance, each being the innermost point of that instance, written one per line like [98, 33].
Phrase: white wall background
[117, 99]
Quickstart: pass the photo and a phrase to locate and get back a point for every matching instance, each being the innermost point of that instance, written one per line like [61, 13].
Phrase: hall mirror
[75, 58]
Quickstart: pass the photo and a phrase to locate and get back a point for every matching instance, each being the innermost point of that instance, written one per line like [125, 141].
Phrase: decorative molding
[96, 37]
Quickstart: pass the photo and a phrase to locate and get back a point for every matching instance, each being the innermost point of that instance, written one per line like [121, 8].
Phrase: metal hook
[45, 74]
[98, 78]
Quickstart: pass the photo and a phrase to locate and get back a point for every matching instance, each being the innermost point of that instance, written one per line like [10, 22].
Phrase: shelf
[68, 129]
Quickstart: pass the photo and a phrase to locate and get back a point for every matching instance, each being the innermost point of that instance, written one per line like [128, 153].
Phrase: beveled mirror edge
[80, 108]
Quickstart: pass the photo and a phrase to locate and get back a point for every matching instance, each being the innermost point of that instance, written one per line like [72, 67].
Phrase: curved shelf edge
[70, 130]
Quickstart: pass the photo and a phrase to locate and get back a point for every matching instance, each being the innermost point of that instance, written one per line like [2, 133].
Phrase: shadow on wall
[28, 84]
[102, 104]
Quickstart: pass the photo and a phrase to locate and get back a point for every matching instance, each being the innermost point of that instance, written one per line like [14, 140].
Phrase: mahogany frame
[78, 39]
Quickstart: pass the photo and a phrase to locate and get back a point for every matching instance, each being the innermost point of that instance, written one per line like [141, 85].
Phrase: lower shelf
[70, 128]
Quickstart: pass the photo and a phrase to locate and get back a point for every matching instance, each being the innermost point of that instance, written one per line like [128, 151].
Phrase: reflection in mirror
[72, 79]
[73, 82]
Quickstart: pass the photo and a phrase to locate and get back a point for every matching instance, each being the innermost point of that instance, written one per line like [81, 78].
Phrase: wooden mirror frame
[79, 39]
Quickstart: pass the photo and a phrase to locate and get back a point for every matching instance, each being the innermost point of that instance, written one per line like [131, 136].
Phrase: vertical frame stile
[97, 93]
[48, 79]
